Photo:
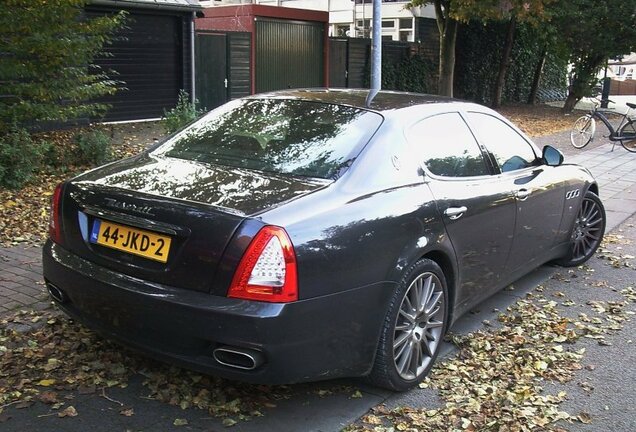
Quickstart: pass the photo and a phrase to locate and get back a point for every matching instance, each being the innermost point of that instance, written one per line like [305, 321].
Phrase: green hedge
[414, 74]
[478, 55]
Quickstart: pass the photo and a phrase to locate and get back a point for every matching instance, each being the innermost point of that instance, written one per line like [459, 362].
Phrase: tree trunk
[570, 102]
[536, 80]
[504, 64]
[585, 70]
[447, 40]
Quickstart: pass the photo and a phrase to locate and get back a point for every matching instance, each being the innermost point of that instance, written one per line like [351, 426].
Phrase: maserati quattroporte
[302, 235]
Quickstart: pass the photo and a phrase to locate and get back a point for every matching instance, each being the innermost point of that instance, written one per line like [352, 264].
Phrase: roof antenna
[376, 53]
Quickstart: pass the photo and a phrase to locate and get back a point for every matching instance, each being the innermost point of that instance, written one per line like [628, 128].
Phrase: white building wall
[346, 18]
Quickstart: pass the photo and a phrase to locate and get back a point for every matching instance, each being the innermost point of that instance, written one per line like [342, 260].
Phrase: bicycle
[585, 126]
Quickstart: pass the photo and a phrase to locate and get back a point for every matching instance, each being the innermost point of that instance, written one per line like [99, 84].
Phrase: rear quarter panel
[367, 226]
[363, 241]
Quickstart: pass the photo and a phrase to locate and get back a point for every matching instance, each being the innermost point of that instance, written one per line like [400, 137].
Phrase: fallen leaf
[228, 422]
[46, 382]
[128, 412]
[48, 397]
[357, 394]
[584, 417]
[69, 411]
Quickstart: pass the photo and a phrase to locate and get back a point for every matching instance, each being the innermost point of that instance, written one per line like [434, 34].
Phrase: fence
[349, 58]
[627, 87]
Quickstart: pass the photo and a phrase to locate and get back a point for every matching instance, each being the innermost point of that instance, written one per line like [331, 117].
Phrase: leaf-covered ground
[24, 213]
[539, 120]
[45, 357]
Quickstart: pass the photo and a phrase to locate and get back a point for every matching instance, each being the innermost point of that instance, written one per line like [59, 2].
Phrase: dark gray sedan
[300, 235]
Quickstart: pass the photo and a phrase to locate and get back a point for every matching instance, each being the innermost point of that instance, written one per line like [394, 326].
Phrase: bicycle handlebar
[600, 101]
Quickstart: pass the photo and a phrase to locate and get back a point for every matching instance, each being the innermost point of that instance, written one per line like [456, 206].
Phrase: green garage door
[289, 54]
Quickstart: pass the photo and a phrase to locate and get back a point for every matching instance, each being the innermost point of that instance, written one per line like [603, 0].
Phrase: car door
[478, 212]
[538, 191]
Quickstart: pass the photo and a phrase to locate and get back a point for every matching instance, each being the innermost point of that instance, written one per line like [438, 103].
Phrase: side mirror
[552, 156]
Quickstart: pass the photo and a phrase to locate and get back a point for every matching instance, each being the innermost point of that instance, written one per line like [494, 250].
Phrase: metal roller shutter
[289, 54]
[147, 56]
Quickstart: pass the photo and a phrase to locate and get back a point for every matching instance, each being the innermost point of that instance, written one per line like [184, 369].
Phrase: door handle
[455, 212]
[523, 194]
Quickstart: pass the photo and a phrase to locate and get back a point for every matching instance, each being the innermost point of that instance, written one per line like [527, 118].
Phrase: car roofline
[386, 100]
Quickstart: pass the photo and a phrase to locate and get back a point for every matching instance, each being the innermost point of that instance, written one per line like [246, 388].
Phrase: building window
[364, 23]
[387, 38]
[388, 24]
[405, 36]
[406, 23]
[342, 30]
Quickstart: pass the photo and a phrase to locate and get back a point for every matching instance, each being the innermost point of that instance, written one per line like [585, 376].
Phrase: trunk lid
[192, 208]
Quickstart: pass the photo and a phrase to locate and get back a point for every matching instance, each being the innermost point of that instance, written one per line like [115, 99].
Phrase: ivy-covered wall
[415, 73]
[478, 54]
[406, 66]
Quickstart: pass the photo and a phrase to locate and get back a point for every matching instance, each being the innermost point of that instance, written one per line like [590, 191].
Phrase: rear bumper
[320, 338]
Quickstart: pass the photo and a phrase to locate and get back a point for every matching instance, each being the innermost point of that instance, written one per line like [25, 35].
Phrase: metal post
[376, 52]
[606, 87]
[193, 96]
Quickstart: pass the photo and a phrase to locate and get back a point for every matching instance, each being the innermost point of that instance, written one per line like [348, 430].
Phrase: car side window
[446, 146]
[509, 149]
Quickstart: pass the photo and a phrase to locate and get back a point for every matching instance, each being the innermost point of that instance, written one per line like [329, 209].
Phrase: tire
[582, 132]
[629, 129]
[587, 233]
[411, 337]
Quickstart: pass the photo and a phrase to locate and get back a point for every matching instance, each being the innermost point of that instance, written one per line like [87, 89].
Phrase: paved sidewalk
[21, 283]
[615, 172]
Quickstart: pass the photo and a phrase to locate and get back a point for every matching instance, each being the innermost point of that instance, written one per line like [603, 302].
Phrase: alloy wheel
[588, 229]
[419, 326]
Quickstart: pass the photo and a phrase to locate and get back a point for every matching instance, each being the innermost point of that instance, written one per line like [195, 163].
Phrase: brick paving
[21, 283]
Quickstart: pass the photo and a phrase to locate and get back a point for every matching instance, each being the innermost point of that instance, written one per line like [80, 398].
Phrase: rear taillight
[267, 271]
[55, 226]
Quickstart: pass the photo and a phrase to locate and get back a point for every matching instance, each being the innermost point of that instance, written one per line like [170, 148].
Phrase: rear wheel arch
[443, 258]
[413, 327]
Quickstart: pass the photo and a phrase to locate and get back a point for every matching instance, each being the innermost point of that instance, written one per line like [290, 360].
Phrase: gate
[211, 69]
[223, 67]
[338, 63]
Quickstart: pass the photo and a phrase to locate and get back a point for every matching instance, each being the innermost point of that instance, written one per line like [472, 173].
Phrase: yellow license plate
[132, 240]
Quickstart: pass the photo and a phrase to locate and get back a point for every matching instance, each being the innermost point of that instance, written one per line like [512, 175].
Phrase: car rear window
[284, 136]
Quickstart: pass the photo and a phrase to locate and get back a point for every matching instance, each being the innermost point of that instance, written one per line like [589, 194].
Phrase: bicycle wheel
[628, 130]
[583, 131]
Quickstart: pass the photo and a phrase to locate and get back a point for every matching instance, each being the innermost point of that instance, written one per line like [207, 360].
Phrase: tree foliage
[497, 10]
[449, 13]
[479, 52]
[20, 158]
[47, 50]
[591, 32]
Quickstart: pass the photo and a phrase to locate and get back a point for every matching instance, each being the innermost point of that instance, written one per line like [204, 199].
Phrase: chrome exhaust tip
[238, 358]
[56, 293]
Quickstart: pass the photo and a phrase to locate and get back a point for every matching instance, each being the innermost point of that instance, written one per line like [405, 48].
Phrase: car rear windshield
[285, 136]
